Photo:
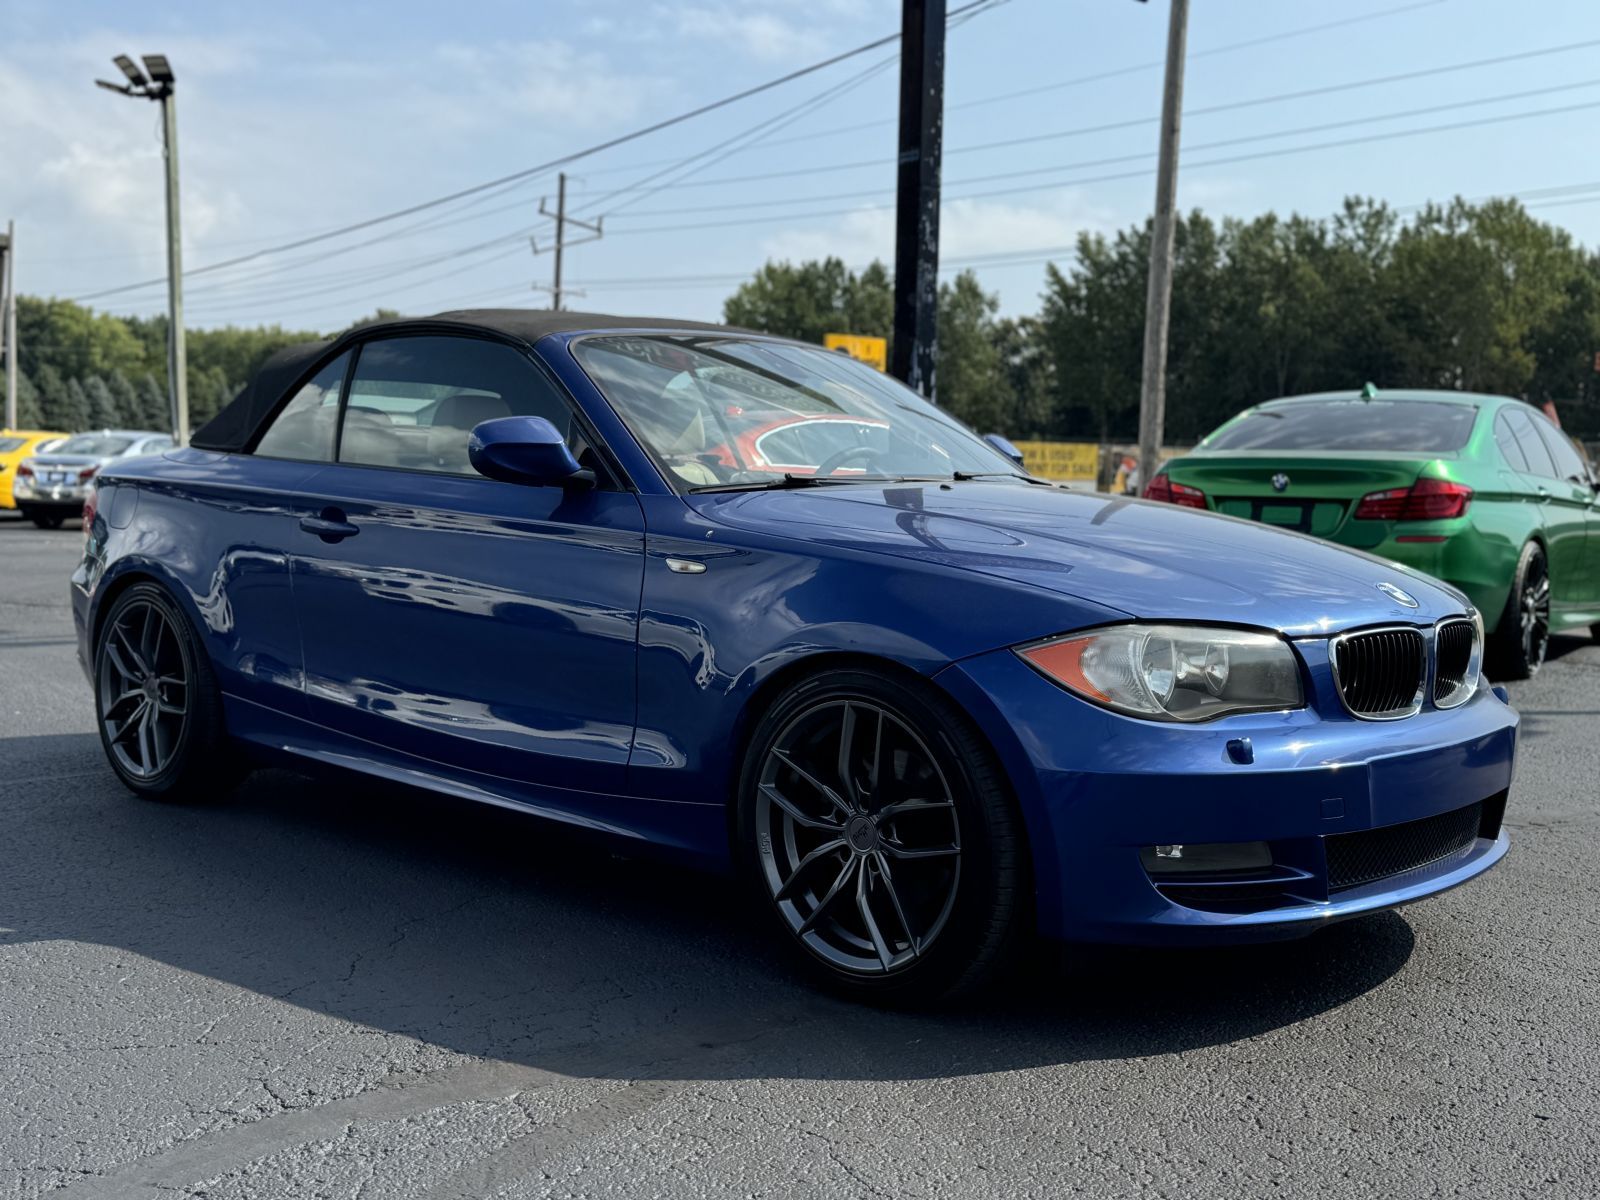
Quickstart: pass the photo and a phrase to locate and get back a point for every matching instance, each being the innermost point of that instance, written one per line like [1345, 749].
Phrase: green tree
[103, 412]
[29, 414]
[74, 414]
[971, 379]
[125, 398]
[813, 299]
[153, 410]
[51, 393]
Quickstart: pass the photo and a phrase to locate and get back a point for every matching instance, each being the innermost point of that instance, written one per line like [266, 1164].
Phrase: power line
[1286, 35]
[1135, 174]
[1135, 122]
[545, 167]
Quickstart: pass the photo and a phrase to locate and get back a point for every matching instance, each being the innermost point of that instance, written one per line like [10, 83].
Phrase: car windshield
[7, 445]
[1404, 426]
[99, 445]
[718, 411]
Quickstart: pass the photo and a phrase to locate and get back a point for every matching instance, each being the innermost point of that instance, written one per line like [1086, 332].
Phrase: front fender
[710, 638]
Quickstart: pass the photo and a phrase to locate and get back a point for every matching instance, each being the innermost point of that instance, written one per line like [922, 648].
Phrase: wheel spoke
[896, 850]
[831, 795]
[847, 745]
[130, 694]
[894, 901]
[791, 886]
[132, 721]
[902, 808]
[139, 668]
[796, 814]
[149, 636]
[815, 914]
[147, 750]
[864, 907]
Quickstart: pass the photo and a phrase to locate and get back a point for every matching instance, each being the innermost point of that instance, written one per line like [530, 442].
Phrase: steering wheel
[834, 461]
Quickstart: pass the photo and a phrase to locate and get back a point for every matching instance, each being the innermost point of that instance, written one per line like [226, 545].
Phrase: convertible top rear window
[1403, 426]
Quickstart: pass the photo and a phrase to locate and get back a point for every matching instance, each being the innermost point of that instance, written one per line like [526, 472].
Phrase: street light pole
[177, 358]
[159, 86]
[1158, 296]
[8, 316]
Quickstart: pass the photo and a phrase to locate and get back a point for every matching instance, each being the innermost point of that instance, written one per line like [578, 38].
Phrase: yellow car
[16, 445]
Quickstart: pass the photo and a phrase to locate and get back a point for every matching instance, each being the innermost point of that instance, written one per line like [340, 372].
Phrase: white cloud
[756, 31]
[540, 79]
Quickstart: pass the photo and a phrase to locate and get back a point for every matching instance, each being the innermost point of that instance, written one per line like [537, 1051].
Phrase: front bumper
[1097, 788]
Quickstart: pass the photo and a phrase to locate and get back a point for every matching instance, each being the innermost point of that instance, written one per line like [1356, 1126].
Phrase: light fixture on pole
[155, 82]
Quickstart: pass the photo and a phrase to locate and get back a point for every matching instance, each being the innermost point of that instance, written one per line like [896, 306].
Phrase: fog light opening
[1172, 860]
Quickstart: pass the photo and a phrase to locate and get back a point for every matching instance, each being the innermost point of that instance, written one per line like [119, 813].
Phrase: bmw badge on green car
[1483, 492]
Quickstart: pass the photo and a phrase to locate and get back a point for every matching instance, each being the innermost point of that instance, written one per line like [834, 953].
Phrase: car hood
[1146, 559]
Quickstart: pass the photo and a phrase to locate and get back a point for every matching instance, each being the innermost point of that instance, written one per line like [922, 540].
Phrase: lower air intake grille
[1380, 671]
[1372, 854]
[1452, 657]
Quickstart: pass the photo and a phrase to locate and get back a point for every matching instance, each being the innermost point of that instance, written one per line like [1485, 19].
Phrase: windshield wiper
[963, 476]
[793, 481]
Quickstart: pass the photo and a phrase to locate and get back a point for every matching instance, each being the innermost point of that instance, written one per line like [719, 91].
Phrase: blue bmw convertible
[760, 606]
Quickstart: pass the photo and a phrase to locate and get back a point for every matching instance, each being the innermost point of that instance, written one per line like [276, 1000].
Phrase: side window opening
[1507, 441]
[414, 401]
[304, 428]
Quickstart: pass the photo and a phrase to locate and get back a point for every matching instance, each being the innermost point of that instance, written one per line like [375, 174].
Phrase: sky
[296, 118]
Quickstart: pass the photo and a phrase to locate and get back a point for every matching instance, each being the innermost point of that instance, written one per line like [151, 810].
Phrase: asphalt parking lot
[305, 990]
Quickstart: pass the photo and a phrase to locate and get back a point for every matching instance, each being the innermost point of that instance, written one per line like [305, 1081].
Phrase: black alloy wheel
[156, 700]
[882, 838]
[1522, 637]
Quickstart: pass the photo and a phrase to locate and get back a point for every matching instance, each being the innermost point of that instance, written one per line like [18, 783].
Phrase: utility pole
[159, 87]
[556, 290]
[1158, 295]
[8, 319]
[916, 235]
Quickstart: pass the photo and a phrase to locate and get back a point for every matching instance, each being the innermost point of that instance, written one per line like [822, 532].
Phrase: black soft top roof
[235, 427]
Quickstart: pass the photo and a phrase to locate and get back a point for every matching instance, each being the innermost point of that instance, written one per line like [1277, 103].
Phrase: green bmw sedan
[1484, 492]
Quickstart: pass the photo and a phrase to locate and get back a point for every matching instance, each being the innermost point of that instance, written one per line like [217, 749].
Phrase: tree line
[86, 370]
[1472, 297]
[1477, 297]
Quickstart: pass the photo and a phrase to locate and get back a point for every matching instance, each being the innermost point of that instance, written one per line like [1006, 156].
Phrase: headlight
[1173, 672]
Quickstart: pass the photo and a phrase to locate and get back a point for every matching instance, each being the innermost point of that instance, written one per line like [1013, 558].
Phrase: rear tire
[1518, 644]
[44, 520]
[876, 829]
[157, 704]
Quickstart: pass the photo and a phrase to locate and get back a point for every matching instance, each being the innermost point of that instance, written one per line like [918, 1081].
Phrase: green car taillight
[1425, 500]
[1162, 488]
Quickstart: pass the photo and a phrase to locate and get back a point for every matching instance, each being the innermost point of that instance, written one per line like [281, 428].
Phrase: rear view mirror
[1006, 448]
[525, 450]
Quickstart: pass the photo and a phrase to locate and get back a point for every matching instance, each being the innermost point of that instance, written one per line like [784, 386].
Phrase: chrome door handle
[329, 525]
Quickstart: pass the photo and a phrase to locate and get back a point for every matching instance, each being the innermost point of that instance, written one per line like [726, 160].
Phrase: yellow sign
[874, 351]
[1070, 462]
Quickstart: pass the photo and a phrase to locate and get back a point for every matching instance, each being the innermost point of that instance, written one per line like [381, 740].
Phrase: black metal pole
[916, 238]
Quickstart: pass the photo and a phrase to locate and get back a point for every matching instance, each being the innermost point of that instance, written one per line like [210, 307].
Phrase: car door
[1563, 510]
[484, 625]
[1573, 492]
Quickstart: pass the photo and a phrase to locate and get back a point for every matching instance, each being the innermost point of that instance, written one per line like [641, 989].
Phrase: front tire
[157, 704]
[877, 831]
[1523, 635]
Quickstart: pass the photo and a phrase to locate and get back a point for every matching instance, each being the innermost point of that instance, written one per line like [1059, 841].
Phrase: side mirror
[1005, 447]
[525, 450]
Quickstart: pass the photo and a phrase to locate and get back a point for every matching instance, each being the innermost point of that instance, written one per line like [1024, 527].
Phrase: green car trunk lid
[1311, 493]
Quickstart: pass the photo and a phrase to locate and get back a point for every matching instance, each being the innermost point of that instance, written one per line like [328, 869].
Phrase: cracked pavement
[314, 990]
